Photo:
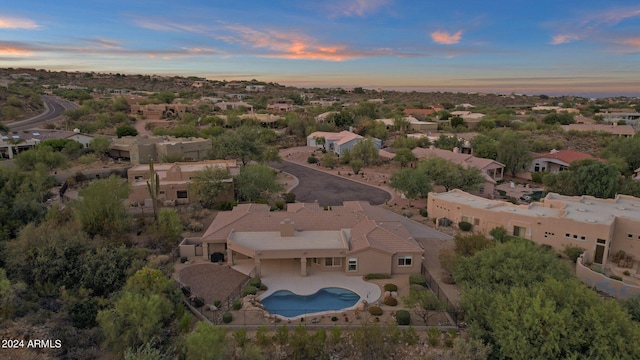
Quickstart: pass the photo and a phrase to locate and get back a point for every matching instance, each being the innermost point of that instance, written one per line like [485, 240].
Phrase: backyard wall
[615, 288]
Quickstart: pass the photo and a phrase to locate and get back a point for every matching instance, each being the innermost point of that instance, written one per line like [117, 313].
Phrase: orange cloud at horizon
[443, 37]
[14, 51]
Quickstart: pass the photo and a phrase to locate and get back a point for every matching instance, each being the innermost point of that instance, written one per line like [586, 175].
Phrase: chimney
[456, 150]
[286, 228]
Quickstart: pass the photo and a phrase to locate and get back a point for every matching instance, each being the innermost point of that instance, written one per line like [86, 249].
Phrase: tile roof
[370, 226]
[567, 156]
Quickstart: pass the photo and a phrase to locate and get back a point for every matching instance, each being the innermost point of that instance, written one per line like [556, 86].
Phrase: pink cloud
[564, 38]
[356, 7]
[631, 42]
[17, 23]
[443, 37]
[288, 45]
[14, 51]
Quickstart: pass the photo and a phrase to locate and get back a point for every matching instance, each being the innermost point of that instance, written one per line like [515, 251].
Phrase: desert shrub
[417, 279]
[195, 226]
[407, 213]
[416, 288]
[249, 290]
[183, 259]
[626, 273]
[423, 212]
[334, 318]
[616, 277]
[186, 291]
[536, 177]
[465, 226]
[410, 336]
[312, 160]
[433, 336]
[279, 205]
[263, 287]
[227, 317]
[255, 282]
[375, 311]
[376, 276]
[403, 317]
[573, 252]
[289, 197]
[198, 302]
[449, 338]
[390, 287]
[390, 301]
[217, 303]
[236, 305]
[225, 205]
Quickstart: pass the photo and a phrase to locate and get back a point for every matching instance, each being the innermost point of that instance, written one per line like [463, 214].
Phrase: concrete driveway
[315, 185]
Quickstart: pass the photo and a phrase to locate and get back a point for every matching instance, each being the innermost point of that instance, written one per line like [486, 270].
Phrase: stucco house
[556, 160]
[141, 149]
[615, 129]
[602, 227]
[337, 142]
[492, 170]
[174, 181]
[355, 238]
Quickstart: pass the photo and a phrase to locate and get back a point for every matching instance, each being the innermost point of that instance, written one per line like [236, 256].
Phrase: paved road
[329, 189]
[54, 108]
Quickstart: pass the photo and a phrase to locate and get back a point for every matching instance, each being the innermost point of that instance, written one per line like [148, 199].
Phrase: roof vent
[581, 209]
[591, 221]
[621, 208]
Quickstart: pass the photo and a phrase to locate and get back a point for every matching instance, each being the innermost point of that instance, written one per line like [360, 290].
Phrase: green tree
[446, 173]
[356, 165]
[412, 183]
[456, 121]
[126, 130]
[208, 184]
[469, 245]
[499, 234]
[255, 182]
[448, 142]
[484, 147]
[100, 209]
[45, 155]
[206, 342]
[168, 229]
[244, 143]
[100, 145]
[627, 149]
[513, 152]
[404, 156]
[366, 151]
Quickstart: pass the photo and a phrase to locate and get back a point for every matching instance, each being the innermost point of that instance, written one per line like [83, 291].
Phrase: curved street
[315, 185]
[54, 108]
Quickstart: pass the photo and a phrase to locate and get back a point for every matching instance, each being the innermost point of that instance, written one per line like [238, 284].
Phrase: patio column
[303, 266]
[257, 266]
[229, 256]
[205, 250]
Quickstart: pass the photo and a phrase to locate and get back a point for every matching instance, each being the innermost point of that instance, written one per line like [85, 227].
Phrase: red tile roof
[567, 156]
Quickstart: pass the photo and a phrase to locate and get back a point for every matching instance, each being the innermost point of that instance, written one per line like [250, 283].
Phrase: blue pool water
[288, 304]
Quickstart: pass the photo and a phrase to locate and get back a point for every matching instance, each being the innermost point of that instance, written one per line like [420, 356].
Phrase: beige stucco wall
[370, 261]
[416, 260]
[556, 232]
[612, 287]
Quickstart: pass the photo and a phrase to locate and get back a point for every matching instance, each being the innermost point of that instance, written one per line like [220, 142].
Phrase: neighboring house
[229, 105]
[265, 119]
[471, 119]
[281, 104]
[84, 139]
[141, 149]
[355, 238]
[174, 181]
[556, 160]
[492, 170]
[255, 88]
[423, 126]
[338, 142]
[12, 145]
[323, 117]
[602, 227]
[158, 111]
[615, 129]
[418, 112]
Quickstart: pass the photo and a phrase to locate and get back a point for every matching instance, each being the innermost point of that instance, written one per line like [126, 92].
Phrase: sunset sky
[555, 47]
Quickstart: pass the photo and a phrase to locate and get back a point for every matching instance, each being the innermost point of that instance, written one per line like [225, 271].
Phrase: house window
[405, 261]
[332, 262]
[468, 219]
[352, 264]
[139, 177]
[519, 231]
[181, 194]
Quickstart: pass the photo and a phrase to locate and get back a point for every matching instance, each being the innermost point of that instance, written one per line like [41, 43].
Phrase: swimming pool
[289, 304]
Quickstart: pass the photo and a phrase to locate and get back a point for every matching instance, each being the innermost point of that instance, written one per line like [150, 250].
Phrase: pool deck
[285, 275]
